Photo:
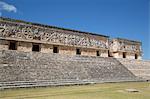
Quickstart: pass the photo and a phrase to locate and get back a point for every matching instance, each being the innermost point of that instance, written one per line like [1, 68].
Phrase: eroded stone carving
[127, 47]
[45, 34]
[122, 45]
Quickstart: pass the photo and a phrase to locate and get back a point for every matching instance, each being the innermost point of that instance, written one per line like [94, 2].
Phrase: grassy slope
[97, 91]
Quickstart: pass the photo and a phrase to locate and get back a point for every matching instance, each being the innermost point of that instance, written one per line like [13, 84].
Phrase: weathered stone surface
[26, 34]
[140, 68]
[24, 68]
[23, 31]
[131, 48]
[60, 69]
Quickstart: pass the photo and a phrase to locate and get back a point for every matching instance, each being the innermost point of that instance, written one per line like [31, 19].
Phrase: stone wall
[24, 46]
[39, 69]
[48, 48]
[18, 30]
[139, 68]
[68, 40]
[119, 46]
[3, 45]
[128, 55]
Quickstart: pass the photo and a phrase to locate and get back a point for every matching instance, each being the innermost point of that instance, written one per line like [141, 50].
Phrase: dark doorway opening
[55, 49]
[124, 54]
[78, 51]
[97, 53]
[35, 47]
[12, 46]
[136, 56]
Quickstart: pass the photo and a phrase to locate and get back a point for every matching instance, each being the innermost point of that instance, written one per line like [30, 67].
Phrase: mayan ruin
[33, 54]
[28, 37]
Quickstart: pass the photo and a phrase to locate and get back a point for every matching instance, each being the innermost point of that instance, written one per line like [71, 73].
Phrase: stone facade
[123, 48]
[25, 35]
[46, 37]
[39, 55]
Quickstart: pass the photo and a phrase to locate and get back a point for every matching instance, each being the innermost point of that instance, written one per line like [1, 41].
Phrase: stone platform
[28, 69]
[140, 68]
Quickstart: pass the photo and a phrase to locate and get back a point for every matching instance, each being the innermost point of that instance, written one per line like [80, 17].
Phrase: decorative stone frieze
[28, 32]
[124, 45]
[44, 35]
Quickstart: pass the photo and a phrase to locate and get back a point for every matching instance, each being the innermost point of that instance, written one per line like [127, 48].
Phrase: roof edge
[128, 40]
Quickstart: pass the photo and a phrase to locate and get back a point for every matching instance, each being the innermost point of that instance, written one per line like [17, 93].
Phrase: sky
[115, 18]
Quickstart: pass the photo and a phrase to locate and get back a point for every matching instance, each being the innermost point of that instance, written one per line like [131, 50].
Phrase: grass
[95, 91]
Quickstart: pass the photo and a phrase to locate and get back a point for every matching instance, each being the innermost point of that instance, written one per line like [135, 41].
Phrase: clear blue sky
[115, 18]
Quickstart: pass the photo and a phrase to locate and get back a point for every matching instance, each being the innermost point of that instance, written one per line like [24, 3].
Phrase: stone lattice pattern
[39, 33]
[20, 69]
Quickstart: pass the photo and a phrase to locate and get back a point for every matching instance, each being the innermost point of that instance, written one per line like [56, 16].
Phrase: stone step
[24, 84]
[21, 66]
[137, 67]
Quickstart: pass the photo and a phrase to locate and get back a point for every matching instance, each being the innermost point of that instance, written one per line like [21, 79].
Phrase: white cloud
[7, 7]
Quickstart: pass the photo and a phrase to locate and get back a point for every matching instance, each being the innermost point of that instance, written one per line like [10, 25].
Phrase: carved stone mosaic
[124, 46]
[28, 32]
[128, 47]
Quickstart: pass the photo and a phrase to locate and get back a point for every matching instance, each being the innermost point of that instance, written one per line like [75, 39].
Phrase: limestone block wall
[104, 53]
[33, 32]
[117, 55]
[4, 45]
[47, 36]
[24, 46]
[53, 68]
[66, 50]
[139, 68]
[121, 55]
[119, 45]
[130, 56]
[46, 48]
[89, 52]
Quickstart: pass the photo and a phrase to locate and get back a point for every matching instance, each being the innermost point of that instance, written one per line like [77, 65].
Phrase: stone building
[123, 48]
[25, 36]
[33, 54]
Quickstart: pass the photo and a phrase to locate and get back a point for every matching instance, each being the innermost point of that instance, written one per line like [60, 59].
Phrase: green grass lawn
[95, 91]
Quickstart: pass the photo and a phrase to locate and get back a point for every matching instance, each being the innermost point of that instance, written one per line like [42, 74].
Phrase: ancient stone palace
[27, 37]
[33, 54]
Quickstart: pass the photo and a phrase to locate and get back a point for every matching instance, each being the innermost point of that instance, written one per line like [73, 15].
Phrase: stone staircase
[140, 68]
[20, 69]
